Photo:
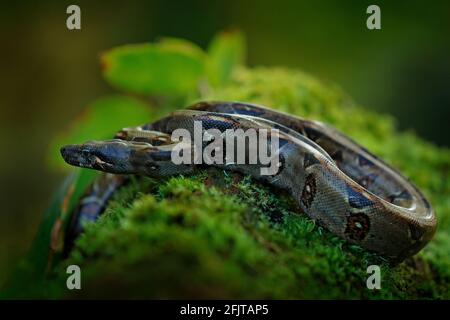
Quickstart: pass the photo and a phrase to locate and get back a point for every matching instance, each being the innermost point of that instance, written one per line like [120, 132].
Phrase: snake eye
[160, 141]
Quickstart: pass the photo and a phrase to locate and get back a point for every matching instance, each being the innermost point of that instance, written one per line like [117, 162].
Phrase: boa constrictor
[336, 182]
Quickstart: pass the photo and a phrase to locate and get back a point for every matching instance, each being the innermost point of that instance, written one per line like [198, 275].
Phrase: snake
[336, 182]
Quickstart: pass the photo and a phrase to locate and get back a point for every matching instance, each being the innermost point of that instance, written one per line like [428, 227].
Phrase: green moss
[220, 235]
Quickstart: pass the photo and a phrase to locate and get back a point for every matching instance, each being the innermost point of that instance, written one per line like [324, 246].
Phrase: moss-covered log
[221, 235]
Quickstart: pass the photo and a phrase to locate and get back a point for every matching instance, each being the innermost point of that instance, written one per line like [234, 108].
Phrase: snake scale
[335, 181]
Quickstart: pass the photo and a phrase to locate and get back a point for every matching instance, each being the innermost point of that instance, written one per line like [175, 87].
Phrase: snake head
[123, 157]
[111, 156]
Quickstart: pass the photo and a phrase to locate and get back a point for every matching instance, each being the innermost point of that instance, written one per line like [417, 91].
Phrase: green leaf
[183, 46]
[101, 120]
[225, 53]
[171, 67]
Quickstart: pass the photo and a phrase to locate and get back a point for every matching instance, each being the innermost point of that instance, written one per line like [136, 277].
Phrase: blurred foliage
[32, 271]
[226, 51]
[216, 235]
[154, 69]
[173, 66]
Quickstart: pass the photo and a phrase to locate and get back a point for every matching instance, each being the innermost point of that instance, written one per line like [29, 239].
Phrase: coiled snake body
[335, 181]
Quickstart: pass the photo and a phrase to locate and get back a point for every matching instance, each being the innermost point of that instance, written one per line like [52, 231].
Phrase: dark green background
[49, 74]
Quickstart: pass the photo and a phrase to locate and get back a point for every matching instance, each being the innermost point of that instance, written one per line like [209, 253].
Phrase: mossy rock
[222, 235]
